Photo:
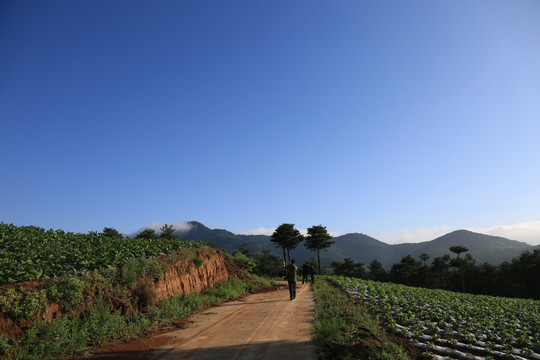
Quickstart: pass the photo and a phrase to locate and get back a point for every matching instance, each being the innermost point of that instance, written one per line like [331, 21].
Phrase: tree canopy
[349, 268]
[111, 232]
[167, 232]
[318, 239]
[147, 234]
[287, 238]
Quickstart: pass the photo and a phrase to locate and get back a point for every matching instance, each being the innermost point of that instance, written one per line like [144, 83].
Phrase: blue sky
[400, 120]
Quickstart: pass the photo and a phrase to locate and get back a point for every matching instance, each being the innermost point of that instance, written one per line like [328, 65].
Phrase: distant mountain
[363, 248]
[484, 248]
[224, 239]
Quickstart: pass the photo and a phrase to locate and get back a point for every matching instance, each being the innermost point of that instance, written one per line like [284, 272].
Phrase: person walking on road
[312, 273]
[291, 277]
[305, 272]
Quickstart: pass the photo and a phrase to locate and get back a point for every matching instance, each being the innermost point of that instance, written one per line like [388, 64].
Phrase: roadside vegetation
[460, 273]
[85, 331]
[65, 294]
[451, 325]
[345, 330]
[31, 253]
[82, 308]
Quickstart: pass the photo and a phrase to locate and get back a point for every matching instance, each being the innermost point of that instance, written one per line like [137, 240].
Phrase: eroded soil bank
[191, 270]
[264, 325]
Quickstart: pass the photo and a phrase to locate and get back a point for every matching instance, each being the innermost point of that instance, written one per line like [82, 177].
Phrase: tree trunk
[319, 261]
[462, 278]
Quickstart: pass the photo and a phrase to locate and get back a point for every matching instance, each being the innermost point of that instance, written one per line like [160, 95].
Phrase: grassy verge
[115, 305]
[80, 334]
[345, 330]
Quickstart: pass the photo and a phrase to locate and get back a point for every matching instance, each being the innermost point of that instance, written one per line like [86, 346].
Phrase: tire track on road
[264, 326]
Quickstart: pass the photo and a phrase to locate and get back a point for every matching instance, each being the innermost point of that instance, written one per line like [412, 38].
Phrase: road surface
[258, 326]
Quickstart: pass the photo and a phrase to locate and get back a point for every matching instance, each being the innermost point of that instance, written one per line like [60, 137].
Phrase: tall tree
[458, 250]
[111, 232]
[424, 257]
[167, 232]
[377, 271]
[402, 272]
[268, 264]
[440, 266]
[287, 238]
[318, 239]
[349, 268]
[147, 234]
[244, 249]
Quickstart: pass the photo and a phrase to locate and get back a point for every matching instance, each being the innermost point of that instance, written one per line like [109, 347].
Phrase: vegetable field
[453, 325]
[29, 252]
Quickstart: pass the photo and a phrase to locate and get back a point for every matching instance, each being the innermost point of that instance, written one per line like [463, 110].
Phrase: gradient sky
[403, 120]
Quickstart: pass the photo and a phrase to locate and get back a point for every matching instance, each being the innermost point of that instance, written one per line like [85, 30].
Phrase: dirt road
[259, 326]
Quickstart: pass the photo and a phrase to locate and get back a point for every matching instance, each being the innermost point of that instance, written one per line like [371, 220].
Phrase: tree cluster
[515, 278]
[288, 238]
[166, 232]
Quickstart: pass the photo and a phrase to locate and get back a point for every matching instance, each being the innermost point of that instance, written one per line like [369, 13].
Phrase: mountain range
[363, 248]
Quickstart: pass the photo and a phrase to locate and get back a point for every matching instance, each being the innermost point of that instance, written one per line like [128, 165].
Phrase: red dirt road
[258, 326]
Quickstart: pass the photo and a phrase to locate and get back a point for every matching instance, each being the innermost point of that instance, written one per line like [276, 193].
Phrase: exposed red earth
[264, 325]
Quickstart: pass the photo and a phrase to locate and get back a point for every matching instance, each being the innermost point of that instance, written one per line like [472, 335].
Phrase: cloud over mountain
[528, 232]
[177, 226]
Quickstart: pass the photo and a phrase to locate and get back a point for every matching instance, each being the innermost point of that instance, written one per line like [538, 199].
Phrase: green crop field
[453, 325]
[29, 252]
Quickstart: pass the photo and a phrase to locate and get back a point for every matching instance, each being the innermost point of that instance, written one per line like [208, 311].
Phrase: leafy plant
[150, 267]
[103, 324]
[198, 262]
[500, 326]
[30, 252]
[5, 345]
[337, 322]
[67, 291]
[22, 304]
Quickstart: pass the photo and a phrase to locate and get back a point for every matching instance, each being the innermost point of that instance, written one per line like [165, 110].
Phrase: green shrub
[59, 337]
[178, 307]
[336, 320]
[249, 263]
[103, 324]
[327, 330]
[22, 304]
[133, 269]
[198, 262]
[65, 291]
[5, 345]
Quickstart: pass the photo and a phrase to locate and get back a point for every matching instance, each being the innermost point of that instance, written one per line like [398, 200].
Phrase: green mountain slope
[484, 248]
[363, 248]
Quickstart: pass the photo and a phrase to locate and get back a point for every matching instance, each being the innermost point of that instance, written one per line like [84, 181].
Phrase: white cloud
[528, 232]
[177, 226]
[259, 231]
[414, 236]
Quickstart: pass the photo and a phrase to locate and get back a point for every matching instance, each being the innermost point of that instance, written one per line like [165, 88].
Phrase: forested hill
[363, 248]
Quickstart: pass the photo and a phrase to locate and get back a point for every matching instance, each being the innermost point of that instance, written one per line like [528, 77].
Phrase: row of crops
[453, 325]
[29, 252]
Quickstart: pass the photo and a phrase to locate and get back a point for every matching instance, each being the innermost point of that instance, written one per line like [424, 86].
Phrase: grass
[77, 335]
[345, 330]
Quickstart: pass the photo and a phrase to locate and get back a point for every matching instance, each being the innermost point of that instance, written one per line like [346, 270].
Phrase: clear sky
[403, 120]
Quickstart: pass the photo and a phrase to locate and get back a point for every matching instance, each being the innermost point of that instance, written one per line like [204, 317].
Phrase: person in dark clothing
[305, 272]
[291, 277]
[312, 273]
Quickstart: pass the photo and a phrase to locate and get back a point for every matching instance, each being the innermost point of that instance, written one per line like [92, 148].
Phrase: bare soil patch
[264, 325]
